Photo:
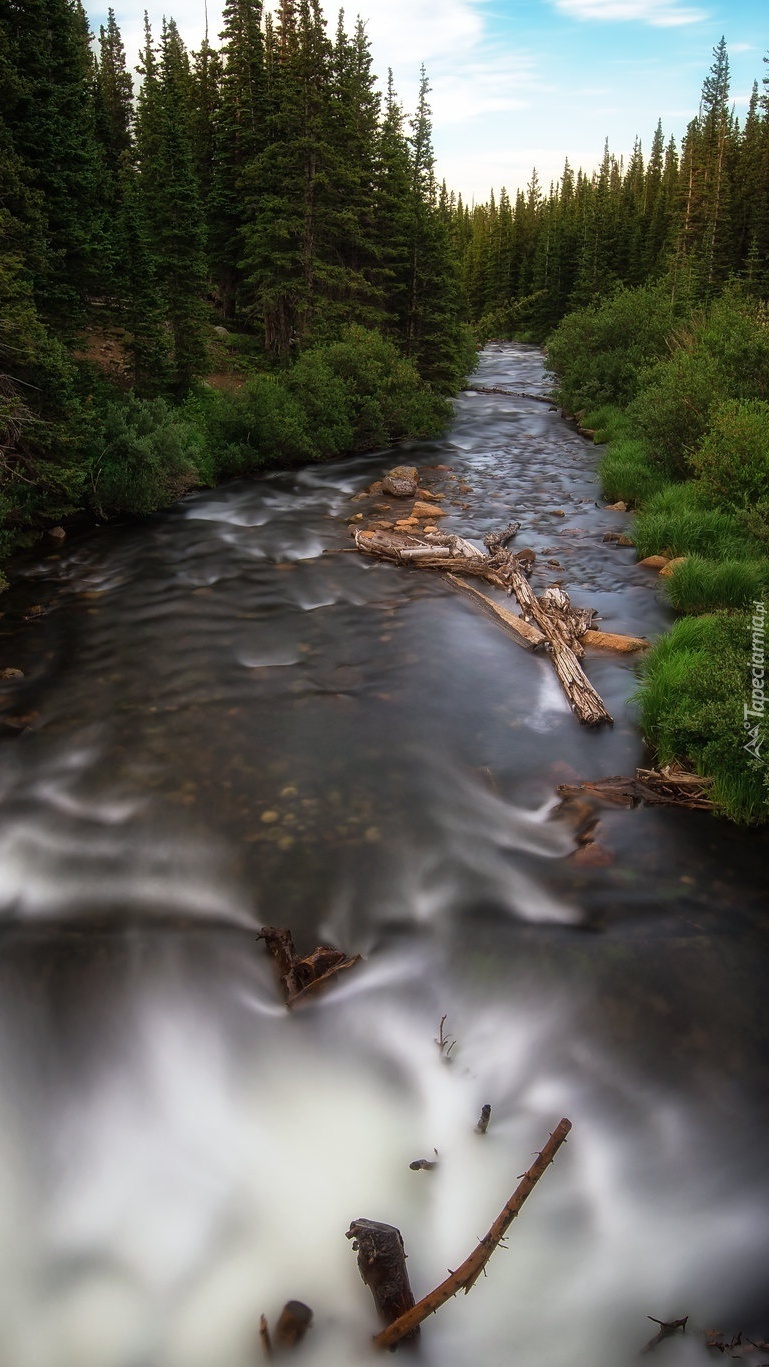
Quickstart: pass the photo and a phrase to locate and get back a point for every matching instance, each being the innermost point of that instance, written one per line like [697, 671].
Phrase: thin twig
[470, 1270]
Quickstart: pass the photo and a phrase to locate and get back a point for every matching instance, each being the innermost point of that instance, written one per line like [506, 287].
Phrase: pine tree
[239, 139]
[169, 198]
[52, 124]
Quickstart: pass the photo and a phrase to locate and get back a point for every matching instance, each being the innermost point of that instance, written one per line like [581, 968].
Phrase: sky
[518, 84]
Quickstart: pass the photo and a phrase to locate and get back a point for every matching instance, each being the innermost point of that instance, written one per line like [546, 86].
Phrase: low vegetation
[689, 451]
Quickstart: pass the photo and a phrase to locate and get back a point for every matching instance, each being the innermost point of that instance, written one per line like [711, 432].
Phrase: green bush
[695, 684]
[721, 354]
[601, 353]
[627, 473]
[146, 457]
[700, 585]
[386, 397]
[325, 401]
[732, 462]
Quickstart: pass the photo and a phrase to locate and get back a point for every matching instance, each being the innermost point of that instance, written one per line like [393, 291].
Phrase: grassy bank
[112, 453]
[681, 397]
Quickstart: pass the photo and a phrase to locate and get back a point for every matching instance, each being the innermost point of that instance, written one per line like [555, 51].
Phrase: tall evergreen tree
[169, 197]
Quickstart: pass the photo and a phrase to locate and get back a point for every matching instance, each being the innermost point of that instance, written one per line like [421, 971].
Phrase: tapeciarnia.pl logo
[754, 710]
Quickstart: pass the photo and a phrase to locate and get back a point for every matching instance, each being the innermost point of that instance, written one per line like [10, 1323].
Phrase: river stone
[428, 510]
[401, 481]
[670, 567]
[654, 562]
[11, 673]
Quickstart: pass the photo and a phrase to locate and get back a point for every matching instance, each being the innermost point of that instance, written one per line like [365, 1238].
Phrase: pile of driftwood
[549, 621]
[670, 786]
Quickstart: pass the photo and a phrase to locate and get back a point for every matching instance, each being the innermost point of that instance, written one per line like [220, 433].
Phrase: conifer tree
[169, 198]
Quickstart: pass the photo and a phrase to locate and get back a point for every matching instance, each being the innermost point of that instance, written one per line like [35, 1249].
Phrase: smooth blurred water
[229, 720]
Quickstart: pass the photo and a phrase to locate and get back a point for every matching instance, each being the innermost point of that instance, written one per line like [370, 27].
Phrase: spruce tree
[169, 197]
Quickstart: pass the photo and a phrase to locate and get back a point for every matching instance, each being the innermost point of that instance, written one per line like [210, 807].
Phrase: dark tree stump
[382, 1265]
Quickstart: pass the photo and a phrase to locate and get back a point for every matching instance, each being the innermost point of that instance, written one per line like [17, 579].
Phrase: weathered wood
[483, 1121]
[494, 541]
[467, 1274]
[301, 976]
[612, 640]
[553, 615]
[264, 1336]
[511, 393]
[666, 1328]
[565, 649]
[670, 786]
[530, 637]
[295, 1320]
[382, 1266]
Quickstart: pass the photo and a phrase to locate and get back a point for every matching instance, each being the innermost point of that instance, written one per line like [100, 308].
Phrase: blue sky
[524, 83]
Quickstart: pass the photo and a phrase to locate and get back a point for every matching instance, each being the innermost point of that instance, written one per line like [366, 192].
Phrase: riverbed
[227, 720]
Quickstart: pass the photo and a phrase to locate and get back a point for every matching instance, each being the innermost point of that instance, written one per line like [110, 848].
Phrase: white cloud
[658, 13]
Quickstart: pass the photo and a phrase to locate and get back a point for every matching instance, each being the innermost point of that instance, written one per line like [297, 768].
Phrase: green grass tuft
[626, 473]
[690, 532]
[700, 585]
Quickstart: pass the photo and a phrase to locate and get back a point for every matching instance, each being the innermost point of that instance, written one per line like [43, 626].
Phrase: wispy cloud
[658, 13]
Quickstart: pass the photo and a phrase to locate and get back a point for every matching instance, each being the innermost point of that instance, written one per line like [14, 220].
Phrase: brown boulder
[654, 562]
[428, 510]
[401, 481]
[670, 566]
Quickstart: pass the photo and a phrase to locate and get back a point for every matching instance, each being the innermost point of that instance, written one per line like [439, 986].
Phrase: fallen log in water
[407, 1322]
[559, 624]
[530, 637]
[670, 786]
[511, 393]
[301, 976]
[612, 640]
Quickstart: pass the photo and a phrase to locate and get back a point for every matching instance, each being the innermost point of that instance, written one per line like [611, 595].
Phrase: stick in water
[470, 1270]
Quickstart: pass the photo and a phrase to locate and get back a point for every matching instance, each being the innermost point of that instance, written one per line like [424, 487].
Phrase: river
[224, 722]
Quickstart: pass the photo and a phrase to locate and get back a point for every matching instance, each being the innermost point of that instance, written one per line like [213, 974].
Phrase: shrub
[600, 353]
[695, 683]
[147, 457]
[325, 401]
[700, 585]
[720, 355]
[732, 461]
[272, 424]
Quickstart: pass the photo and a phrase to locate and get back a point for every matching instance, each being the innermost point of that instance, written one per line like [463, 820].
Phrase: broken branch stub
[382, 1266]
[295, 1320]
[301, 976]
[467, 1274]
[483, 1122]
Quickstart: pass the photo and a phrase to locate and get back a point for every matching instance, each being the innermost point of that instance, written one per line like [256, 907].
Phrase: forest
[246, 260]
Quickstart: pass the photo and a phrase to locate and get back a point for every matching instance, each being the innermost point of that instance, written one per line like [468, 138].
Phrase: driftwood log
[511, 393]
[466, 1275]
[553, 615]
[670, 786]
[301, 976]
[382, 1266]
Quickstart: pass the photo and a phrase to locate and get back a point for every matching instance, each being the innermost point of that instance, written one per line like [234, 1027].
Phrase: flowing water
[228, 720]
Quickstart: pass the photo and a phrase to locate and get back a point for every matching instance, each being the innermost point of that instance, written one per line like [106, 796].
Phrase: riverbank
[122, 454]
[681, 402]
